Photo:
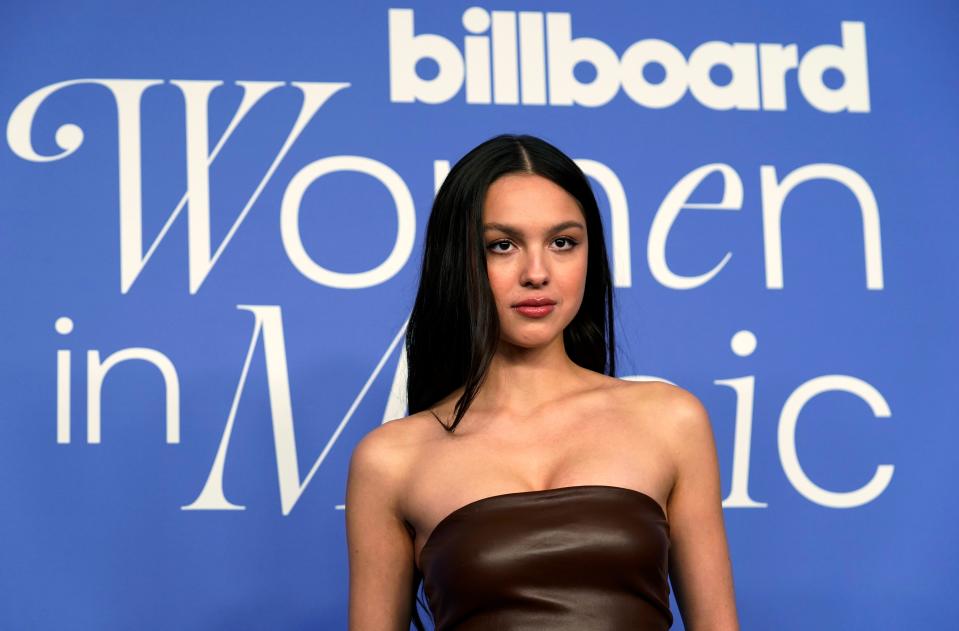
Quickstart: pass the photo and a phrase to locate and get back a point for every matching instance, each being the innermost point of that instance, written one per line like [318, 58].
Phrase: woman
[530, 488]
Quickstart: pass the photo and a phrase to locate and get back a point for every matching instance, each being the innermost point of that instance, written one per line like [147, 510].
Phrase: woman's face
[535, 237]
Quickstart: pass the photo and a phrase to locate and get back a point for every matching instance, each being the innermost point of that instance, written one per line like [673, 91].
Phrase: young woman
[530, 488]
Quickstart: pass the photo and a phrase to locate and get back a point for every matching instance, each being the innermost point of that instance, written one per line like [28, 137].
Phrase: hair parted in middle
[453, 330]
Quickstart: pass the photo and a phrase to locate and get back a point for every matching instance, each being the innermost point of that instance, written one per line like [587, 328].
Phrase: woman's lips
[535, 312]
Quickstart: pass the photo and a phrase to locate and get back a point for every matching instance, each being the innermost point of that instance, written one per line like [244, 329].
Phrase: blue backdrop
[212, 216]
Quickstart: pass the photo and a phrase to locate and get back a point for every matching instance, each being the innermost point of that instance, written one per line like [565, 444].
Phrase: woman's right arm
[380, 547]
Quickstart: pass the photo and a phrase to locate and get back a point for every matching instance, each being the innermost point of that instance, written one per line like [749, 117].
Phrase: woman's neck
[520, 380]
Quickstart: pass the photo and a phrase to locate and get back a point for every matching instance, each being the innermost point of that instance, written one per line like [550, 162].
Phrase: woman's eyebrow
[516, 232]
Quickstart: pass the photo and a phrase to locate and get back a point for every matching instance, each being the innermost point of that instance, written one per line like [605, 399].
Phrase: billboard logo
[528, 58]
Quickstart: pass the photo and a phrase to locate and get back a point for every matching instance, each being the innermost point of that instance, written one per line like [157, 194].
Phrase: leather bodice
[589, 557]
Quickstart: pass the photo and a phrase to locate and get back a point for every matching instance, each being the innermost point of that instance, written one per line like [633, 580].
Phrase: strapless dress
[583, 558]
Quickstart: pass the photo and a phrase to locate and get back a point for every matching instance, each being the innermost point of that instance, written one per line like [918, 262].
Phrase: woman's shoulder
[392, 447]
[662, 393]
[672, 410]
[395, 437]
[676, 416]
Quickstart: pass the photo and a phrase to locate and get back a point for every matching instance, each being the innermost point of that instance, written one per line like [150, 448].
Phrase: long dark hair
[453, 329]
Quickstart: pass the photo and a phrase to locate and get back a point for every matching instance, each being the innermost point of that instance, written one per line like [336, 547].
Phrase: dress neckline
[522, 494]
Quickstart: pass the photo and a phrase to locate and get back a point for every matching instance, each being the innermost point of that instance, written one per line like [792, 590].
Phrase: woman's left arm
[699, 565]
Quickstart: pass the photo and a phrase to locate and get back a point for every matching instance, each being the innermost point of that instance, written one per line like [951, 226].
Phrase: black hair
[453, 329]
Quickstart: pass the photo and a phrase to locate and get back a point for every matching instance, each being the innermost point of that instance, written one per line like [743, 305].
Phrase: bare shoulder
[385, 454]
[680, 415]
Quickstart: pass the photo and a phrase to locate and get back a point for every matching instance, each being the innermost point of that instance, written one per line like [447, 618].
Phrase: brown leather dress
[589, 557]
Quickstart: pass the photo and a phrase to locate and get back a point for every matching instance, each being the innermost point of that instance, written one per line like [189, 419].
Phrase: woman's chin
[529, 342]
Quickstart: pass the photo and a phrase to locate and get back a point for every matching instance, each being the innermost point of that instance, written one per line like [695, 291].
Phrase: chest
[604, 450]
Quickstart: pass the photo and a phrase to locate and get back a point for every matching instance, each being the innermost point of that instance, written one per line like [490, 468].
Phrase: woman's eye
[567, 244]
[493, 245]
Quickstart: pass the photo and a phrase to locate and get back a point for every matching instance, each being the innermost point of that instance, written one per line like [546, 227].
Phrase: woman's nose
[535, 271]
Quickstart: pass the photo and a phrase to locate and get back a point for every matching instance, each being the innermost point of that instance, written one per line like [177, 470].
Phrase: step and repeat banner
[212, 217]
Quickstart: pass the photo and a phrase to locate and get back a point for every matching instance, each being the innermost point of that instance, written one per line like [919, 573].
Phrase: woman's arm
[380, 546]
[700, 568]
